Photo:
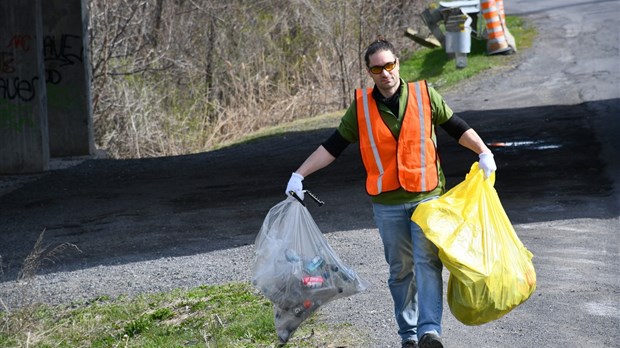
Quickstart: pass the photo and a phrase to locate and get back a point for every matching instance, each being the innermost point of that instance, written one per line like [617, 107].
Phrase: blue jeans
[415, 271]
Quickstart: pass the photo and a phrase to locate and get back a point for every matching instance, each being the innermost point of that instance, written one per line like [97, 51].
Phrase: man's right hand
[295, 185]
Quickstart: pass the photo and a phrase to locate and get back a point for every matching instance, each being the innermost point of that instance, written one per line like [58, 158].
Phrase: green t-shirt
[441, 113]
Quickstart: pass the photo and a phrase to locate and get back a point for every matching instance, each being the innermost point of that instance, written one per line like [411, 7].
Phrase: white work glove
[487, 163]
[295, 185]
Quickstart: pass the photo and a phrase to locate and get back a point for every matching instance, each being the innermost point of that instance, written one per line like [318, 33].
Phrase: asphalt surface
[553, 121]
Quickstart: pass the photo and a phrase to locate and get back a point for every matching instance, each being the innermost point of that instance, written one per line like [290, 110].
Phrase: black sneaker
[430, 340]
[410, 344]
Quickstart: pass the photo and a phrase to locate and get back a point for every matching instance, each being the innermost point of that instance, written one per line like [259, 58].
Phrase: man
[394, 124]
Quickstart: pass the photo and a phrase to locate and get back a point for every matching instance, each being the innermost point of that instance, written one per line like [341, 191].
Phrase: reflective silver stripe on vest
[418, 94]
[373, 144]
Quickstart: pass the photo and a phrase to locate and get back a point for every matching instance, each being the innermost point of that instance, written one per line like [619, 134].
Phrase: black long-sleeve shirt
[455, 127]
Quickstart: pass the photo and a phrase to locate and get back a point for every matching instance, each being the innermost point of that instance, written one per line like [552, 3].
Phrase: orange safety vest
[409, 162]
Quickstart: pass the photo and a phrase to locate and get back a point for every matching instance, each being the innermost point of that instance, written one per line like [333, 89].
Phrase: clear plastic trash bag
[491, 271]
[296, 269]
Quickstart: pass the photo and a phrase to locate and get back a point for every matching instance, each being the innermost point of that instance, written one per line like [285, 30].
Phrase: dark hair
[378, 45]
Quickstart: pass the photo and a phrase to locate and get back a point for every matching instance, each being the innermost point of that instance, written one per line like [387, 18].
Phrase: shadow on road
[119, 211]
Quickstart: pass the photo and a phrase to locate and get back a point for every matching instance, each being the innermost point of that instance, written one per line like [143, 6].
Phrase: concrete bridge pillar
[45, 99]
[24, 140]
[67, 76]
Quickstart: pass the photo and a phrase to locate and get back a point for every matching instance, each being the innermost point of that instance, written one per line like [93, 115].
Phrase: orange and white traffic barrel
[497, 40]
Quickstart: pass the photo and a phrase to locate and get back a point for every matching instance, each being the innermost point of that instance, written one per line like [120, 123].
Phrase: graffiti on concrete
[12, 88]
[60, 52]
[16, 91]
[7, 63]
[20, 42]
[15, 87]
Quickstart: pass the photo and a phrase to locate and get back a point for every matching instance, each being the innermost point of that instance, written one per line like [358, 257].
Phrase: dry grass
[181, 77]
[21, 314]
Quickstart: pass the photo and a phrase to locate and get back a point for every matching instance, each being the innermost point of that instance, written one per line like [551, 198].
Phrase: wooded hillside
[182, 76]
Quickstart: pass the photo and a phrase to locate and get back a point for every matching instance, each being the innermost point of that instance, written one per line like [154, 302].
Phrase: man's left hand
[487, 163]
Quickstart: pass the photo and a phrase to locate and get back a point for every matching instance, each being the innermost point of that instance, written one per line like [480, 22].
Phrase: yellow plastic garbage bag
[491, 271]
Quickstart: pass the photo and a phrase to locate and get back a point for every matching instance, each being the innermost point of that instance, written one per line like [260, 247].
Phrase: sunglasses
[379, 69]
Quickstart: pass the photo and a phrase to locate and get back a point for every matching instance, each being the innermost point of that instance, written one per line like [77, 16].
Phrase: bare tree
[181, 76]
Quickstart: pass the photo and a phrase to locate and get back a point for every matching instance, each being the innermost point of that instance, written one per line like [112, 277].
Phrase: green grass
[436, 66]
[230, 315]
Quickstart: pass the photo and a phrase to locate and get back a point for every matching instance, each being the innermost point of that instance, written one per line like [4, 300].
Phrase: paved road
[557, 111]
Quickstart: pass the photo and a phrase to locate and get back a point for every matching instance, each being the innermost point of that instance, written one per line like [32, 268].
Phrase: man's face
[385, 80]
